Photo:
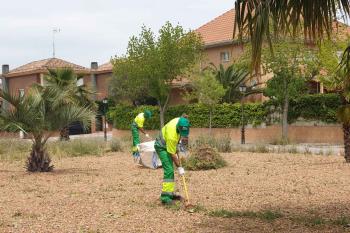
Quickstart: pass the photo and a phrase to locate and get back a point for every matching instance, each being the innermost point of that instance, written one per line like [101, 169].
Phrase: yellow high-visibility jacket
[170, 136]
[140, 120]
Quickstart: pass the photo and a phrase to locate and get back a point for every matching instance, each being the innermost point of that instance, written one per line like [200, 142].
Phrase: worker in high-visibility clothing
[166, 148]
[136, 126]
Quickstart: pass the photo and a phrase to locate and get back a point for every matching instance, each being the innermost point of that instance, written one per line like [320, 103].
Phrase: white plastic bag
[148, 155]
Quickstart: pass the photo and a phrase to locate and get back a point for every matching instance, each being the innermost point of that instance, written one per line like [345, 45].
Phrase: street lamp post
[242, 89]
[105, 105]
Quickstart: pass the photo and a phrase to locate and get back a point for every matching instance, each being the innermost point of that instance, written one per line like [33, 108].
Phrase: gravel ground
[112, 194]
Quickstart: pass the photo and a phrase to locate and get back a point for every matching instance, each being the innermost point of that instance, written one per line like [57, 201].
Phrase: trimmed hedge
[224, 115]
[320, 107]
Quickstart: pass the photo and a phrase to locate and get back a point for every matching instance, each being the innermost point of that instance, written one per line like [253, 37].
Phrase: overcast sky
[90, 30]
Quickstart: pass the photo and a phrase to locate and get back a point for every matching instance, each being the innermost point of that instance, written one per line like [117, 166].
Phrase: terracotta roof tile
[42, 65]
[107, 67]
[219, 29]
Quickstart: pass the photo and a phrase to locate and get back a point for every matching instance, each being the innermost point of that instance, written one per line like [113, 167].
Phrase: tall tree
[289, 65]
[39, 114]
[207, 90]
[152, 62]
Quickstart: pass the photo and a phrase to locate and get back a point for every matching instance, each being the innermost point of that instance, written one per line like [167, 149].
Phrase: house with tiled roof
[221, 48]
[20, 79]
[217, 34]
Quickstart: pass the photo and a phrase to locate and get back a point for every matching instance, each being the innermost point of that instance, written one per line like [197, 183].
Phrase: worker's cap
[183, 126]
[148, 114]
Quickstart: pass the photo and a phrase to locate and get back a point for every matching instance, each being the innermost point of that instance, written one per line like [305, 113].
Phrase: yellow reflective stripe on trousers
[168, 187]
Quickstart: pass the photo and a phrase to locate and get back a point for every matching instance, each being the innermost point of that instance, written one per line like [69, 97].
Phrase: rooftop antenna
[54, 31]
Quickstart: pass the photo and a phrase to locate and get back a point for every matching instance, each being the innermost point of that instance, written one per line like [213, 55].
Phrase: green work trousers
[135, 139]
[168, 186]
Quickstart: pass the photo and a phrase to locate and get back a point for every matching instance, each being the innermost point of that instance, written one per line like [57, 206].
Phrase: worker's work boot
[166, 200]
[177, 197]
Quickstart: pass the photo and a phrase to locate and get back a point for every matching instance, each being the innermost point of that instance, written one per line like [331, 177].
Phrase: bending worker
[136, 126]
[166, 148]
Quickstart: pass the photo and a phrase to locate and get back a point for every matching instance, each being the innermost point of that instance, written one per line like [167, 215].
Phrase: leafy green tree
[283, 87]
[287, 83]
[207, 90]
[65, 79]
[39, 114]
[152, 63]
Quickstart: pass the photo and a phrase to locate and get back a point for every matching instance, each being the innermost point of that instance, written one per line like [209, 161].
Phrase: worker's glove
[181, 171]
[147, 135]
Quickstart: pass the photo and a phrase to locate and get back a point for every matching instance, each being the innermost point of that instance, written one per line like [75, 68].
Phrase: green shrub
[224, 115]
[204, 158]
[116, 145]
[317, 107]
[320, 107]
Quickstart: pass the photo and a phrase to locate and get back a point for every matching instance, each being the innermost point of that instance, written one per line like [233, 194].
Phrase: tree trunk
[162, 109]
[64, 134]
[285, 118]
[38, 160]
[161, 116]
[346, 131]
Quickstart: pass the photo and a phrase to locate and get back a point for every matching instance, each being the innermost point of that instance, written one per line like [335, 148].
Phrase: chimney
[5, 69]
[94, 65]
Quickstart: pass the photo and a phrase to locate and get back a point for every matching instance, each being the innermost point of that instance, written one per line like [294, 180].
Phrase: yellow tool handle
[184, 181]
[185, 188]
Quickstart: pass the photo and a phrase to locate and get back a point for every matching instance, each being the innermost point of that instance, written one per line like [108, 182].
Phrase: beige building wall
[213, 55]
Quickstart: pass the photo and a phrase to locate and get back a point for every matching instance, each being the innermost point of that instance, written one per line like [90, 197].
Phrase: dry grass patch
[112, 194]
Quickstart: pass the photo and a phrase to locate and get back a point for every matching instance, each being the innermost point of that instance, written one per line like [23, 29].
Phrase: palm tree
[66, 79]
[39, 115]
[231, 79]
[262, 20]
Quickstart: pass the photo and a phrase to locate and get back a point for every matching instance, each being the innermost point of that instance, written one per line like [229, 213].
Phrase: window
[21, 92]
[225, 56]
